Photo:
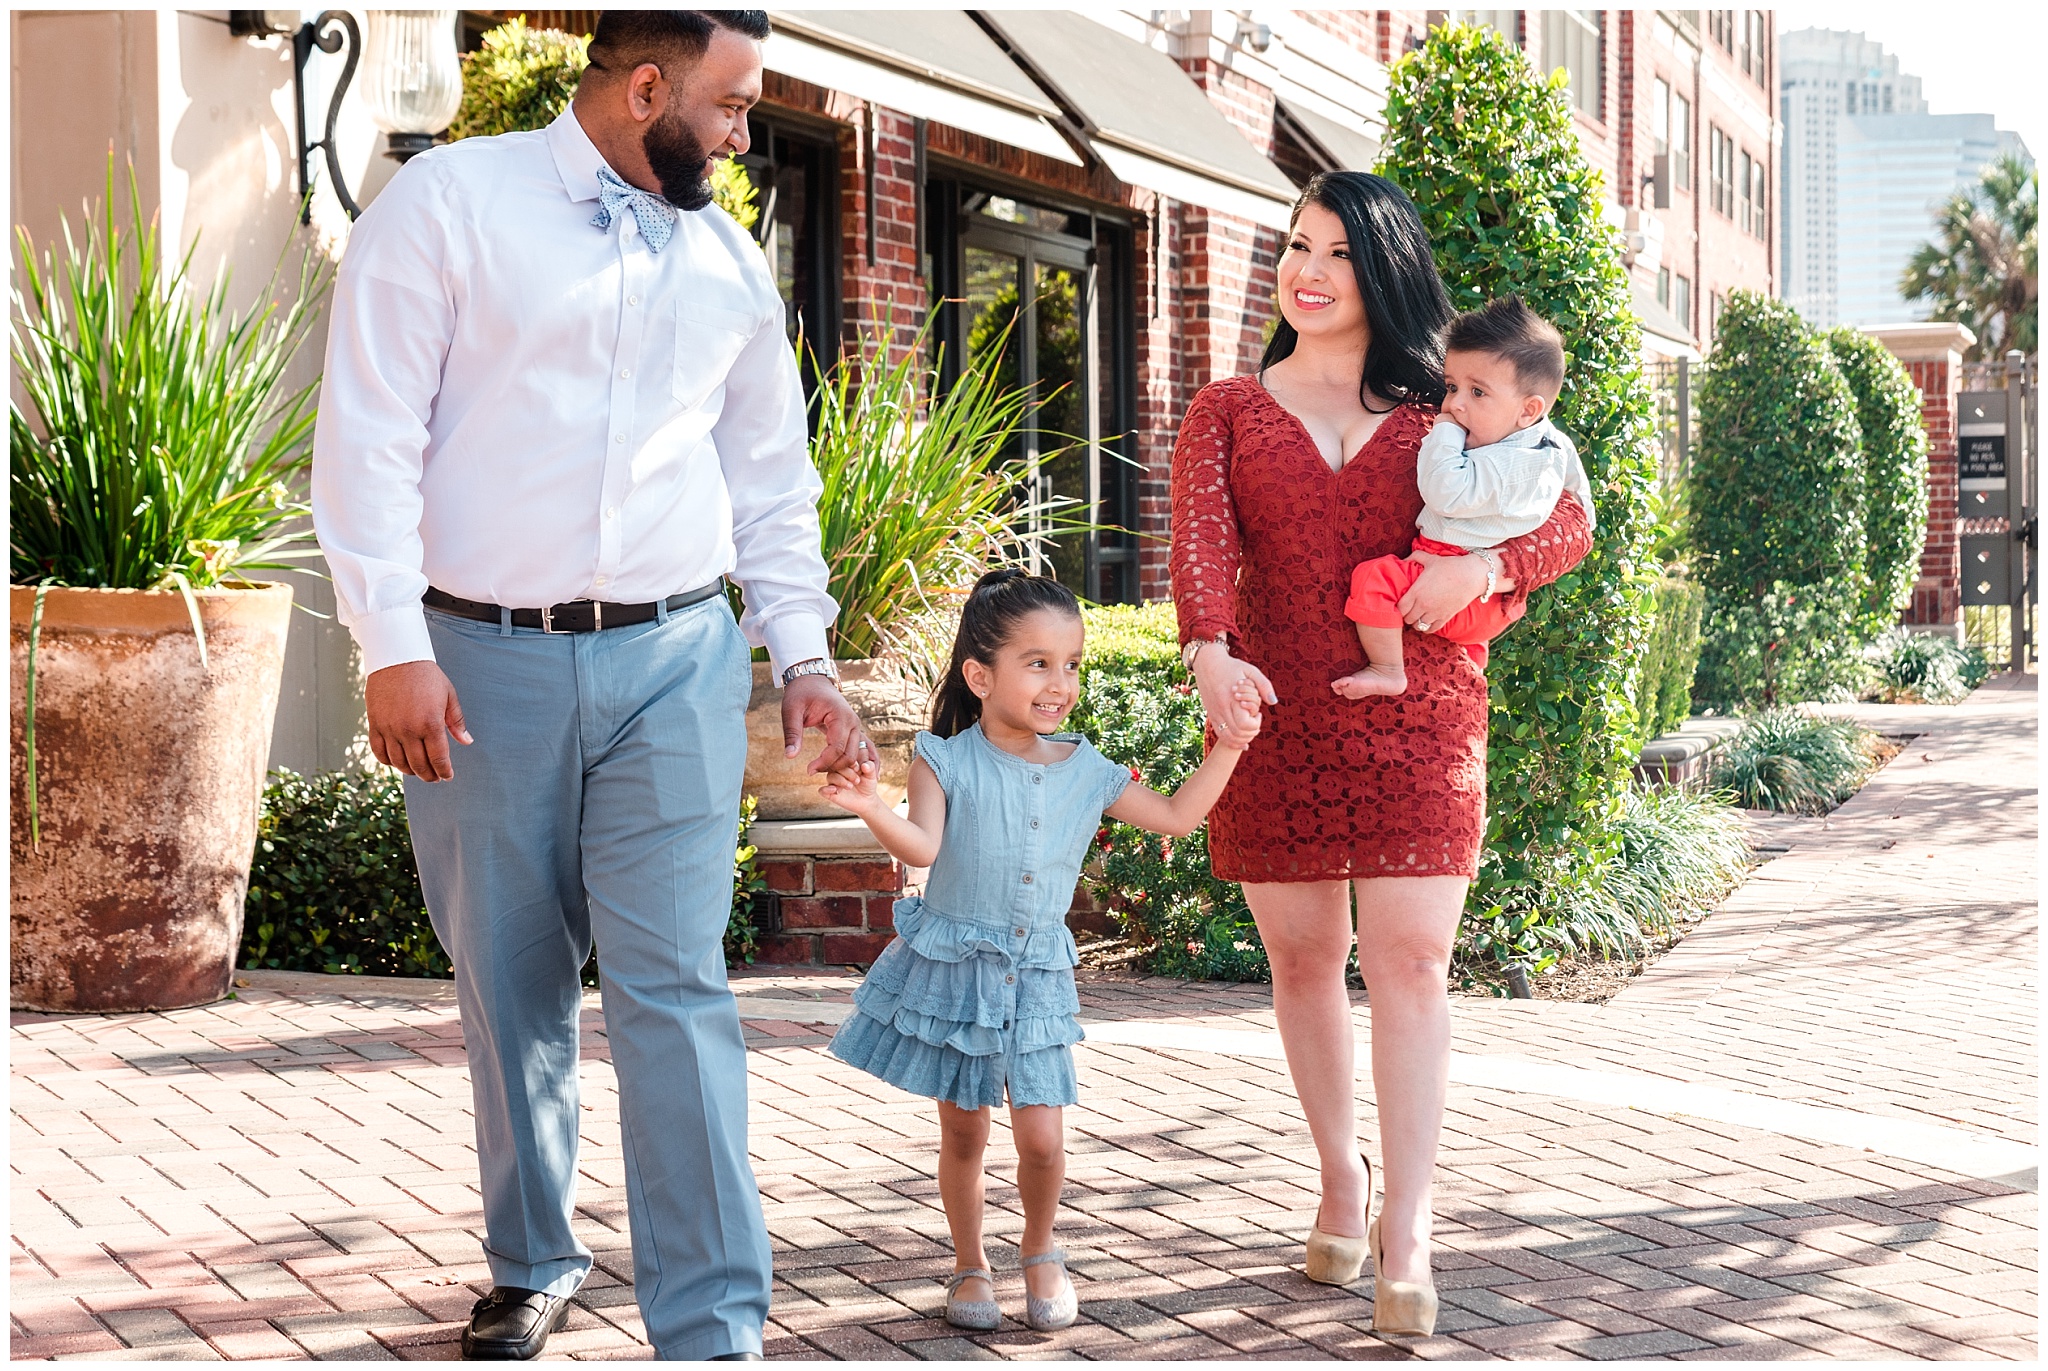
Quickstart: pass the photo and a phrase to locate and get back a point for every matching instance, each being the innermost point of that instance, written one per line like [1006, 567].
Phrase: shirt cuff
[391, 637]
[792, 638]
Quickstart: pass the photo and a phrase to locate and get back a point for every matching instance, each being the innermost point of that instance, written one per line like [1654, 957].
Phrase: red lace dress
[1264, 539]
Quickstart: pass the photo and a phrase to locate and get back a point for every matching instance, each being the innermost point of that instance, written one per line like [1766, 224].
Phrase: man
[559, 407]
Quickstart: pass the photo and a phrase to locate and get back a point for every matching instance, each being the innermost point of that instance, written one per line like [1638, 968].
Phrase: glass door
[1026, 282]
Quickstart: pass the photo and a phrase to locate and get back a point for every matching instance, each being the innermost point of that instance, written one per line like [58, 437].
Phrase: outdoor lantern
[412, 79]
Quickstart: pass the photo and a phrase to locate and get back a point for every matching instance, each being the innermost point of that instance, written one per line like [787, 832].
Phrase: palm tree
[1982, 268]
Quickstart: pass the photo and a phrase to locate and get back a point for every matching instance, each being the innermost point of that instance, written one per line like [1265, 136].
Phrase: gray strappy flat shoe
[1059, 1311]
[980, 1315]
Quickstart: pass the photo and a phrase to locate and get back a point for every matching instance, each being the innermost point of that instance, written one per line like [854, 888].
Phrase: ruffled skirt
[962, 1011]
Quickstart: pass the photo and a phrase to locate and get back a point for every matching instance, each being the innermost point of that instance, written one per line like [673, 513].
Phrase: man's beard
[678, 161]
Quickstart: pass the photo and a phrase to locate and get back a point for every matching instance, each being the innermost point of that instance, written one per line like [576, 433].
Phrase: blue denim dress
[976, 993]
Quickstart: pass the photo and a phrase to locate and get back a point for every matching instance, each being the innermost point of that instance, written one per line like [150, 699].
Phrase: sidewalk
[1807, 1132]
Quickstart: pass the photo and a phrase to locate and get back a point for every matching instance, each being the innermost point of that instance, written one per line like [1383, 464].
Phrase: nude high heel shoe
[1333, 1259]
[1404, 1307]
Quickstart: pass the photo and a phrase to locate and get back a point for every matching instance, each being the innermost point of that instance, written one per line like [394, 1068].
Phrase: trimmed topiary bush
[1894, 473]
[1670, 656]
[1486, 148]
[520, 78]
[1778, 511]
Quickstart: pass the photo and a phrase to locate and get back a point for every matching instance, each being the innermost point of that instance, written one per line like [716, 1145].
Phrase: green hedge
[1139, 708]
[1894, 445]
[333, 887]
[1778, 512]
[1671, 655]
[1488, 150]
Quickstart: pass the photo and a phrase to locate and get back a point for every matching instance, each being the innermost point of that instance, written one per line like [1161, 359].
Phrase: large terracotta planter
[150, 772]
[891, 707]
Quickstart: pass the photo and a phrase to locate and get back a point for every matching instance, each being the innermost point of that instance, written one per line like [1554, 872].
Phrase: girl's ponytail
[999, 599]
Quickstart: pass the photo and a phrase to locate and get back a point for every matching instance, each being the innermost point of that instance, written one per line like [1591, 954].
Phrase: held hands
[814, 702]
[852, 787]
[1233, 693]
[1244, 699]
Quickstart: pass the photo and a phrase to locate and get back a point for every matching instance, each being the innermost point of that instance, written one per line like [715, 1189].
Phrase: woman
[1282, 483]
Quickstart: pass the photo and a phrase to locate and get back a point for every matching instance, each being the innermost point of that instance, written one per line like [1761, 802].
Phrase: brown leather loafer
[511, 1324]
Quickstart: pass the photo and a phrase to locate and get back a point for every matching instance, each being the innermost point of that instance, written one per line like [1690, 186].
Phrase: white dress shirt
[522, 408]
[1483, 496]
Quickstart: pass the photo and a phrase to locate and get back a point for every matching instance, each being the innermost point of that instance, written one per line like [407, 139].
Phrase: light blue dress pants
[601, 797]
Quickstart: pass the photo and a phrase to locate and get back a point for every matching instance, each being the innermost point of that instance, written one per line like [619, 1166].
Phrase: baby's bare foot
[1373, 680]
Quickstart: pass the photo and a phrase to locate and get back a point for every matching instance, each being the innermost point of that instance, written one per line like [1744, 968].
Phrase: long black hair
[998, 600]
[1405, 304]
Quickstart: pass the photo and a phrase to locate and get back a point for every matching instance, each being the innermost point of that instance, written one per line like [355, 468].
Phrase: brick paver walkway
[1831, 1157]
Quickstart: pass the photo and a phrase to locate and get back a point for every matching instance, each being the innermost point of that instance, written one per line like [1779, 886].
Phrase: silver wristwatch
[816, 666]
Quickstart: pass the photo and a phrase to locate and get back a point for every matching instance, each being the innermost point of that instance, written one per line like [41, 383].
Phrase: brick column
[889, 293]
[1933, 354]
[829, 910]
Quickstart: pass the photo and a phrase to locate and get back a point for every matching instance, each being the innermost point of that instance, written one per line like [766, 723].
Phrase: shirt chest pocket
[708, 341]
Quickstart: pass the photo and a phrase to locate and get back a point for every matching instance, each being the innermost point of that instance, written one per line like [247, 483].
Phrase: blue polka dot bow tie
[656, 216]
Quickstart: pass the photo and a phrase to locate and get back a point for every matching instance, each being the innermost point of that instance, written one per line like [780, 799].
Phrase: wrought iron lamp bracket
[319, 34]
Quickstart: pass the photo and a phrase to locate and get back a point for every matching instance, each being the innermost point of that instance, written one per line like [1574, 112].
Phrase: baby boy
[1490, 470]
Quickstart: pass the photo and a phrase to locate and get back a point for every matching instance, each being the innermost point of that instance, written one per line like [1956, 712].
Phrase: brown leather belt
[573, 616]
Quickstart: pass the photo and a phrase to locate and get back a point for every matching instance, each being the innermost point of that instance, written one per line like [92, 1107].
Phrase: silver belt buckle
[547, 619]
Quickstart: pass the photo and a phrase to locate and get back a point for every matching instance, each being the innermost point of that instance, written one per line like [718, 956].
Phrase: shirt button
[601, 580]
[1009, 980]
[1018, 931]
[626, 374]
[1027, 878]
[1035, 780]
[618, 437]
[1034, 823]
[612, 513]
[632, 299]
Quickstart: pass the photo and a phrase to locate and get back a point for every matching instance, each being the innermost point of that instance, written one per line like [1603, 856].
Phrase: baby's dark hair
[998, 601]
[1508, 329]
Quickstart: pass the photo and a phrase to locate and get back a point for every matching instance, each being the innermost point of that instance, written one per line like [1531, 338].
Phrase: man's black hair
[1508, 329]
[627, 38]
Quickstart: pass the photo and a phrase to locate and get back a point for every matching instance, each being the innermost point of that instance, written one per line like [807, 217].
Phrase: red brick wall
[1938, 594]
[829, 911]
[887, 296]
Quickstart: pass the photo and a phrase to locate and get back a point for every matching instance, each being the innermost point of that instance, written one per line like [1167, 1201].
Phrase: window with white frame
[1721, 171]
[1571, 40]
[1681, 142]
[1505, 21]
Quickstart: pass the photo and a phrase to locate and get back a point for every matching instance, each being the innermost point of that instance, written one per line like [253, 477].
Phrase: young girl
[975, 997]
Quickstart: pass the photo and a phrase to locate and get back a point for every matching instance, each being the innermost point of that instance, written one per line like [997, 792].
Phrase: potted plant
[922, 492]
[155, 466]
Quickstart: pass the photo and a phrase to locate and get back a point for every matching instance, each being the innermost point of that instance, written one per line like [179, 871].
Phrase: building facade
[1866, 168]
[1112, 187]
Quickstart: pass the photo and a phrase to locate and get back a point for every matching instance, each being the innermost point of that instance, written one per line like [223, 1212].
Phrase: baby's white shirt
[1483, 496]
